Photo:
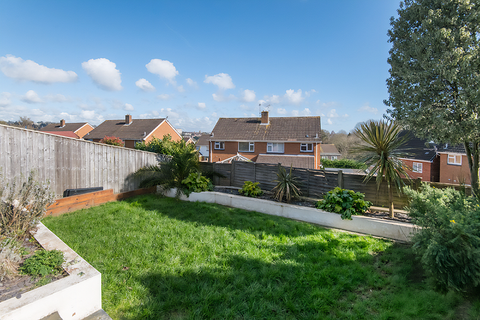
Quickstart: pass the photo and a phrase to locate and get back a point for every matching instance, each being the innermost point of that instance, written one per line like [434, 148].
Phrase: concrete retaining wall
[74, 297]
[399, 231]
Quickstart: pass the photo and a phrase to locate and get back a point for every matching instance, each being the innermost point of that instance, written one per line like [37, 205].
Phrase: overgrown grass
[162, 258]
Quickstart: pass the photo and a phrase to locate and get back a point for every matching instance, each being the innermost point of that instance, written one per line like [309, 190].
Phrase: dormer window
[455, 159]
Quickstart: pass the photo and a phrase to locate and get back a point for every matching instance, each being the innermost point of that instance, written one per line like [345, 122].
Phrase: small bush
[43, 263]
[195, 182]
[113, 141]
[344, 201]
[287, 185]
[343, 163]
[10, 256]
[251, 189]
[21, 208]
[448, 241]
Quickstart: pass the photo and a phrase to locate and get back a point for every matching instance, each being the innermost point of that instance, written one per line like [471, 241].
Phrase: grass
[162, 258]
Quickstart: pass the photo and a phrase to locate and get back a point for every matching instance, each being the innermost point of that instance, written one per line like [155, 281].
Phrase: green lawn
[162, 258]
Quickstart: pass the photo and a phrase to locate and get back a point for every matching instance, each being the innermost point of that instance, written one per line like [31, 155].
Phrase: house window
[275, 147]
[454, 159]
[324, 157]
[417, 167]
[246, 146]
[306, 147]
[219, 145]
[333, 157]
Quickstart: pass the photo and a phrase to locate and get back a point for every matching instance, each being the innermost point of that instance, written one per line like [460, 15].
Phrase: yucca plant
[287, 185]
[381, 150]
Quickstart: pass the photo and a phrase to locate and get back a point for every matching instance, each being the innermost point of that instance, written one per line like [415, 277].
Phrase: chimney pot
[265, 119]
[128, 119]
[62, 123]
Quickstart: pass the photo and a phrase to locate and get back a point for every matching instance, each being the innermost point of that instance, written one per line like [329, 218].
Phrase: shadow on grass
[245, 288]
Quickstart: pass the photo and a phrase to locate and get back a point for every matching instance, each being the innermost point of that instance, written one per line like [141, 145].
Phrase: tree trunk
[390, 201]
[473, 164]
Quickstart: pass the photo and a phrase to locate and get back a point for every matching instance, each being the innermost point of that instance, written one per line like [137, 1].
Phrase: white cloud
[164, 69]
[128, 107]
[282, 111]
[202, 105]
[309, 93]
[274, 99]
[31, 97]
[91, 115]
[164, 96]
[222, 80]
[367, 108]
[104, 73]
[304, 112]
[28, 70]
[218, 97]
[180, 89]
[57, 98]
[249, 95]
[192, 83]
[332, 114]
[329, 121]
[5, 99]
[294, 97]
[244, 107]
[144, 85]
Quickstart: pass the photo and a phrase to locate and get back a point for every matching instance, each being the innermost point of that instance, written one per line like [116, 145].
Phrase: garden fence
[313, 183]
[69, 163]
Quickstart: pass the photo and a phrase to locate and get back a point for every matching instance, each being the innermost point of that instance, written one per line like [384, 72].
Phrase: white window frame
[452, 159]
[325, 157]
[274, 147]
[417, 167]
[219, 145]
[306, 147]
[251, 147]
[333, 157]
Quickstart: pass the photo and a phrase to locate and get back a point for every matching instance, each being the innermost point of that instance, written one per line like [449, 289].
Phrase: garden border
[400, 231]
[74, 297]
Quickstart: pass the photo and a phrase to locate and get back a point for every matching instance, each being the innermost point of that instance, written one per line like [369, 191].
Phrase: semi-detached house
[286, 140]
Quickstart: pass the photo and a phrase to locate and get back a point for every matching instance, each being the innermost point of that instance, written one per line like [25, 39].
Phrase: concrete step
[98, 315]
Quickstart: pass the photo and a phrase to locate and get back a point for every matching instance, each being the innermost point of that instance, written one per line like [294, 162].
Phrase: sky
[193, 62]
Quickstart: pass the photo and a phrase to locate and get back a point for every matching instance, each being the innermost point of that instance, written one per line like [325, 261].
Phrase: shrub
[195, 182]
[343, 163]
[113, 141]
[251, 189]
[10, 256]
[344, 201]
[162, 146]
[287, 185]
[22, 208]
[43, 263]
[448, 241]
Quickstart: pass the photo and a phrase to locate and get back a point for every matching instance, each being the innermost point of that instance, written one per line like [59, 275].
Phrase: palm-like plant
[381, 150]
[287, 185]
[170, 173]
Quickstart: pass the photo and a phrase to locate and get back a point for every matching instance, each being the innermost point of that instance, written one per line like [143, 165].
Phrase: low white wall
[74, 297]
[400, 231]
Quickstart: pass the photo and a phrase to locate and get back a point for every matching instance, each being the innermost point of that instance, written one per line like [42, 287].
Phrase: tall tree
[435, 73]
[381, 148]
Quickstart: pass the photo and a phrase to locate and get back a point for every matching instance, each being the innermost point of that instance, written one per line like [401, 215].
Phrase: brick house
[421, 158]
[133, 131]
[287, 140]
[79, 129]
[454, 164]
[329, 151]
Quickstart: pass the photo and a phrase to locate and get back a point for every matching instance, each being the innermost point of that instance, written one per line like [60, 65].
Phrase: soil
[17, 284]
[309, 202]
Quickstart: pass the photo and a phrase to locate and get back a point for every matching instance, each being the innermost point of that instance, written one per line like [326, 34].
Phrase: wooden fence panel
[68, 163]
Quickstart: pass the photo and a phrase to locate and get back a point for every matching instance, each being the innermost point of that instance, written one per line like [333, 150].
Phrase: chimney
[62, 123]
[128, 119]
[265, 117]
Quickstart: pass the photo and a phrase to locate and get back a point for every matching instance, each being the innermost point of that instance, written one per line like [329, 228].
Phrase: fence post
[340, 178]
[232, 173]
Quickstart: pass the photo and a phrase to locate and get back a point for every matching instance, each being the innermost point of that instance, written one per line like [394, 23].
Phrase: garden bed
[373, 212]
[15, 285]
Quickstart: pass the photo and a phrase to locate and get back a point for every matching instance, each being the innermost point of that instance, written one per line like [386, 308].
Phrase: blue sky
[194, 61]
